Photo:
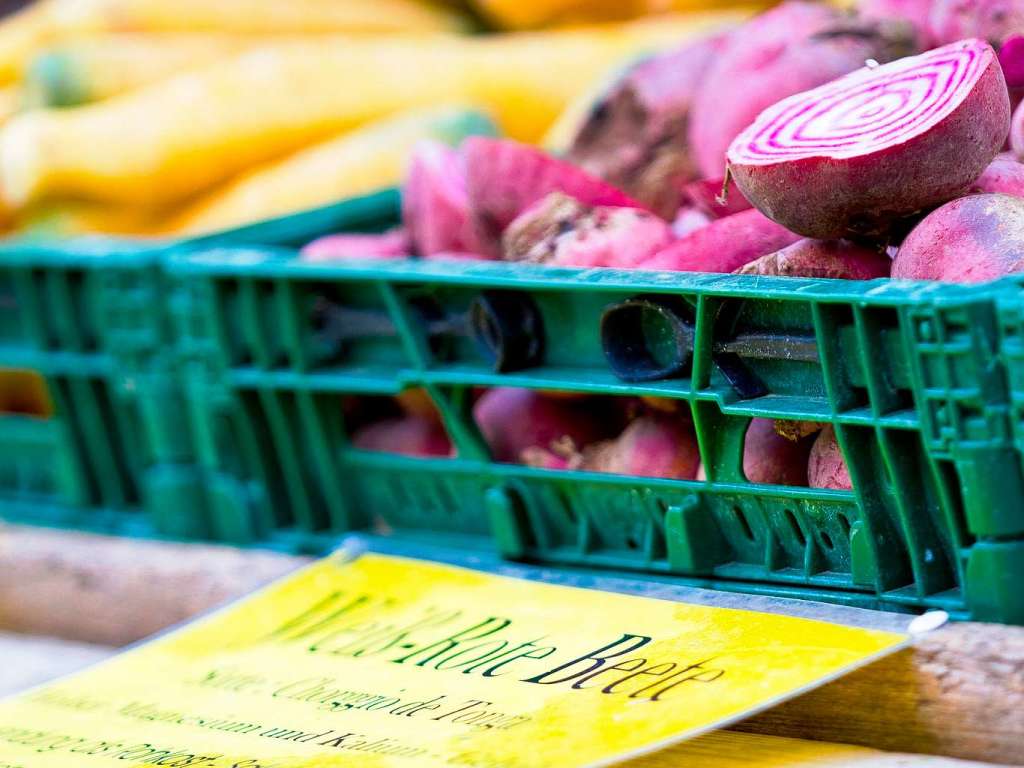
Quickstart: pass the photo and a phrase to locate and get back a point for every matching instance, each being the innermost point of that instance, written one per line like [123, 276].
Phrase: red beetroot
[769, 458]
[791, 48]
[654, 445]
[876, 146]
[837, 259]
[504, 178]
[636, 136]
[970, 240]
[559, 230]
[1011, 58]
[914, 12]
[723, 245]
[1004, 174]
[390, 245]
[714, 198]
[1017, 132]
[991, 20]
[435, 204]
[406, 435]
[826, 467]
[513, 421]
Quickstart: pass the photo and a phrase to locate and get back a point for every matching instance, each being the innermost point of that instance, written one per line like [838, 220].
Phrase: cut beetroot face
[435, 205]
[389, 245]
[504, 178]
[857, 155]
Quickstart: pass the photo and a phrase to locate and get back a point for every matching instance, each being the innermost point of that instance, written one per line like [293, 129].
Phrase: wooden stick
[959, 692]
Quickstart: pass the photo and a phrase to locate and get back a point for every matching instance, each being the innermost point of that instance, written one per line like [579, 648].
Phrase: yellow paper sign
[387, 662]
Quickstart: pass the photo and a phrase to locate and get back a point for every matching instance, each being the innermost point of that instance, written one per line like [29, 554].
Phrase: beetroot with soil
[636, 136]
[504, 178]
[560, 231]
[834, 259]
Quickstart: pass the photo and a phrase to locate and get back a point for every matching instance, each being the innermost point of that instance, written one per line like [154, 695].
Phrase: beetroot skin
[654, 445]
[769, 458]
[836, 259]
[504, 178]
[791, 48]
[826, 467]
[635, 136]
[406, 435]
[514, 421]
[1004, 174]
[970, 240]
[435, 204]
[561, 231]
[797, 164]
[723, 245]
[390, 245]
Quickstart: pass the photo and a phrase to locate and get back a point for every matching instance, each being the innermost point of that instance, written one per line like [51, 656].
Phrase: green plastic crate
[91, 316]
[923, 383]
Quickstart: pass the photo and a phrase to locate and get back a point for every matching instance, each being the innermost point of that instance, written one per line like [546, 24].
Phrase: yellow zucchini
[96, 67]
[354, 163]
[255, 16]
[177, 137]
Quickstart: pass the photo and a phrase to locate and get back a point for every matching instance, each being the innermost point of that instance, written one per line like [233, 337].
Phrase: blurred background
[155, 118]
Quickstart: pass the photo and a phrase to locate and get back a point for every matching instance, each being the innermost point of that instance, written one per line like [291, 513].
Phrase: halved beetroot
[504, 178]
[882, 144]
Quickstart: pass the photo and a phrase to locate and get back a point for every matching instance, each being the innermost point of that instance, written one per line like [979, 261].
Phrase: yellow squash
[96, 67]
[355, 163]
[177, 137]
[254, 16]
[532, 14]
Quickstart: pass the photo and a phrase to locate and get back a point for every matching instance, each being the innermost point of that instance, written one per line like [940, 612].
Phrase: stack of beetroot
[808, 142]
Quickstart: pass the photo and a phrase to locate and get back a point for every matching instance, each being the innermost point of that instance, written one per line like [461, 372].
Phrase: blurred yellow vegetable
[21, 34]
[531, 14]
[50, 21]
[355, 163]
[179, 136]
[59, 219]
[255, 16]
[97, 67]
[10, 101]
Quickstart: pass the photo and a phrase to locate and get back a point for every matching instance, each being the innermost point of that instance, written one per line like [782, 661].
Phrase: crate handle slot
[647, 338]
[508, 329]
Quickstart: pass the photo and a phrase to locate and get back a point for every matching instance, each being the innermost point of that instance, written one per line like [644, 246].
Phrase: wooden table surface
[69, 599]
